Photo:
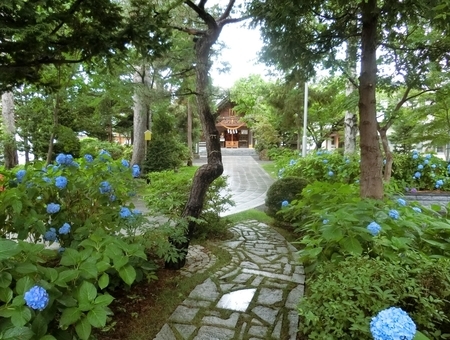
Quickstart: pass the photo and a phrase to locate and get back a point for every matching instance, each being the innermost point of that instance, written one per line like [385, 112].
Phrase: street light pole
[305, 120]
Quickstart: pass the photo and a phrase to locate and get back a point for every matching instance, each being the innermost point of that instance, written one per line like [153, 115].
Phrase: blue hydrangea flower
[47, 180]
[65, 229]
[439, 183]
[420, 167]
[401, 201]
[417, 209]
[125, 212]
[112, 198]
[61, 182]
[433, 166]
[61, 159]
[61, 250]
[318, 153]
[325, 221]
[280, 172]
[53, 208]
[136, 171]
[105, 187]
[415, 156]
[88, 158]
[36, 297]
[374, 228]
[417, 175]
[347, 161]
[292, 162]
[125, 163]
[392, 324]
[50, 235]
[426, 161]
[330, 173]
[325, 161]
[20, 175]
[394, 214]
[104, 155]
[427, 156]
[284, 204]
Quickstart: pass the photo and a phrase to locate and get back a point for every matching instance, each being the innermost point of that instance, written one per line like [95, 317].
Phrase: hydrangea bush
[336, 225]
[64, 248]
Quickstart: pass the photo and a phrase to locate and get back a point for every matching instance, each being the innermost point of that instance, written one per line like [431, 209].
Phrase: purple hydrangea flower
[36, 298]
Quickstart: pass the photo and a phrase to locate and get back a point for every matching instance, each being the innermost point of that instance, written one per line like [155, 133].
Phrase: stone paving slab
[254, 297]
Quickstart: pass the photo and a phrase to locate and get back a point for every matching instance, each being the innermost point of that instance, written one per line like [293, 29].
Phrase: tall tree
[9, 144]
[204, 39]
[301, 34]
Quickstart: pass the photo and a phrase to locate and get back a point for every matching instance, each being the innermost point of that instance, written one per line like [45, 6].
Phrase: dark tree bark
[371, 180]
[207, 173]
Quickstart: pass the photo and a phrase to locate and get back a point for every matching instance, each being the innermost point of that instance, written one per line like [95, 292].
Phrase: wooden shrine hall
[233, 132]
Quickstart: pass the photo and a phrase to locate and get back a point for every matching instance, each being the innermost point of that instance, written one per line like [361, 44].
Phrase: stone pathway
[254, 297]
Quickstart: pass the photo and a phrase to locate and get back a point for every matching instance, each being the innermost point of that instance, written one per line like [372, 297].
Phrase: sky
[243, 45]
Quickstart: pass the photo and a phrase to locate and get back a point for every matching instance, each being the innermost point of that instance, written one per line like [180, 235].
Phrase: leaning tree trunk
[189, 132]
[10, 148]
[387, 154]
[371, 181]
[350, 120]
[140, 115]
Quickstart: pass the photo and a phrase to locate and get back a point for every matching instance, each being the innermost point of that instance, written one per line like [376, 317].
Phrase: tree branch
[191, 31]
[227, 11]
[206, 17]
[232, 20]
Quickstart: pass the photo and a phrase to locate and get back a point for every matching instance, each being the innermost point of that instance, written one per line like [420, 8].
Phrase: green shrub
[281, 154]
[67, 142]
[168, 193]
[285, 189]
[62, 228]
[342, 297]
[322, 166]
[422, 172]
[93, 146]
[165, 153]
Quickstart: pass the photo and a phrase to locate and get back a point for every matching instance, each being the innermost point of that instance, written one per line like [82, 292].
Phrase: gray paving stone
[267, 314]
[242, 278]
[293, 325]
[258, 331]
[205, 291]
[294, 297]
[184, 314]
[217, 321]
[277, 330]
[269, 296]
[214, 333]
[165, 334]
[196, 303]
[185, 330]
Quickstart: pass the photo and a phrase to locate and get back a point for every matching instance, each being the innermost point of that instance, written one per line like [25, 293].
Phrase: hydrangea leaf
[8, 249]
[83, 329]
[352, 245]
[127, 274]
[69, 316]
[20, 316]
[97, 316]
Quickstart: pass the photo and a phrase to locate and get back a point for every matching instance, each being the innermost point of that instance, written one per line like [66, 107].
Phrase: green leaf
[23, 285]
[88, 269]
[22, 333]
[127, 274]
[6, 294]
[87, 292]
[332, 232]
[103, 281]
[352, 245]
[48, 337]
[5, 279]
[103, 266]
[83, 329]
[17, 206]
[26, 268]
[119, 262]
[66, 276]
[69, 316]
[67, 301]
[97, 316]
[70, 257]
[20, 316]
[103, 300]
[8, 249]
[420, 336]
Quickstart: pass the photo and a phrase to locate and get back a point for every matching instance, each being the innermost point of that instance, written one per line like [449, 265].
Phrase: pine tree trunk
[140, 115]
[387, 154]
[189, 132]
[371, 161]
[10, 147]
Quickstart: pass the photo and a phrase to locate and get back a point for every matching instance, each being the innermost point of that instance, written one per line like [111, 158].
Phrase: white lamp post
[305, 120]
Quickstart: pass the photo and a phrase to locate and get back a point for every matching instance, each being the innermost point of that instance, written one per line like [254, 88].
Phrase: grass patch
[271, 169]
[251, 214]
